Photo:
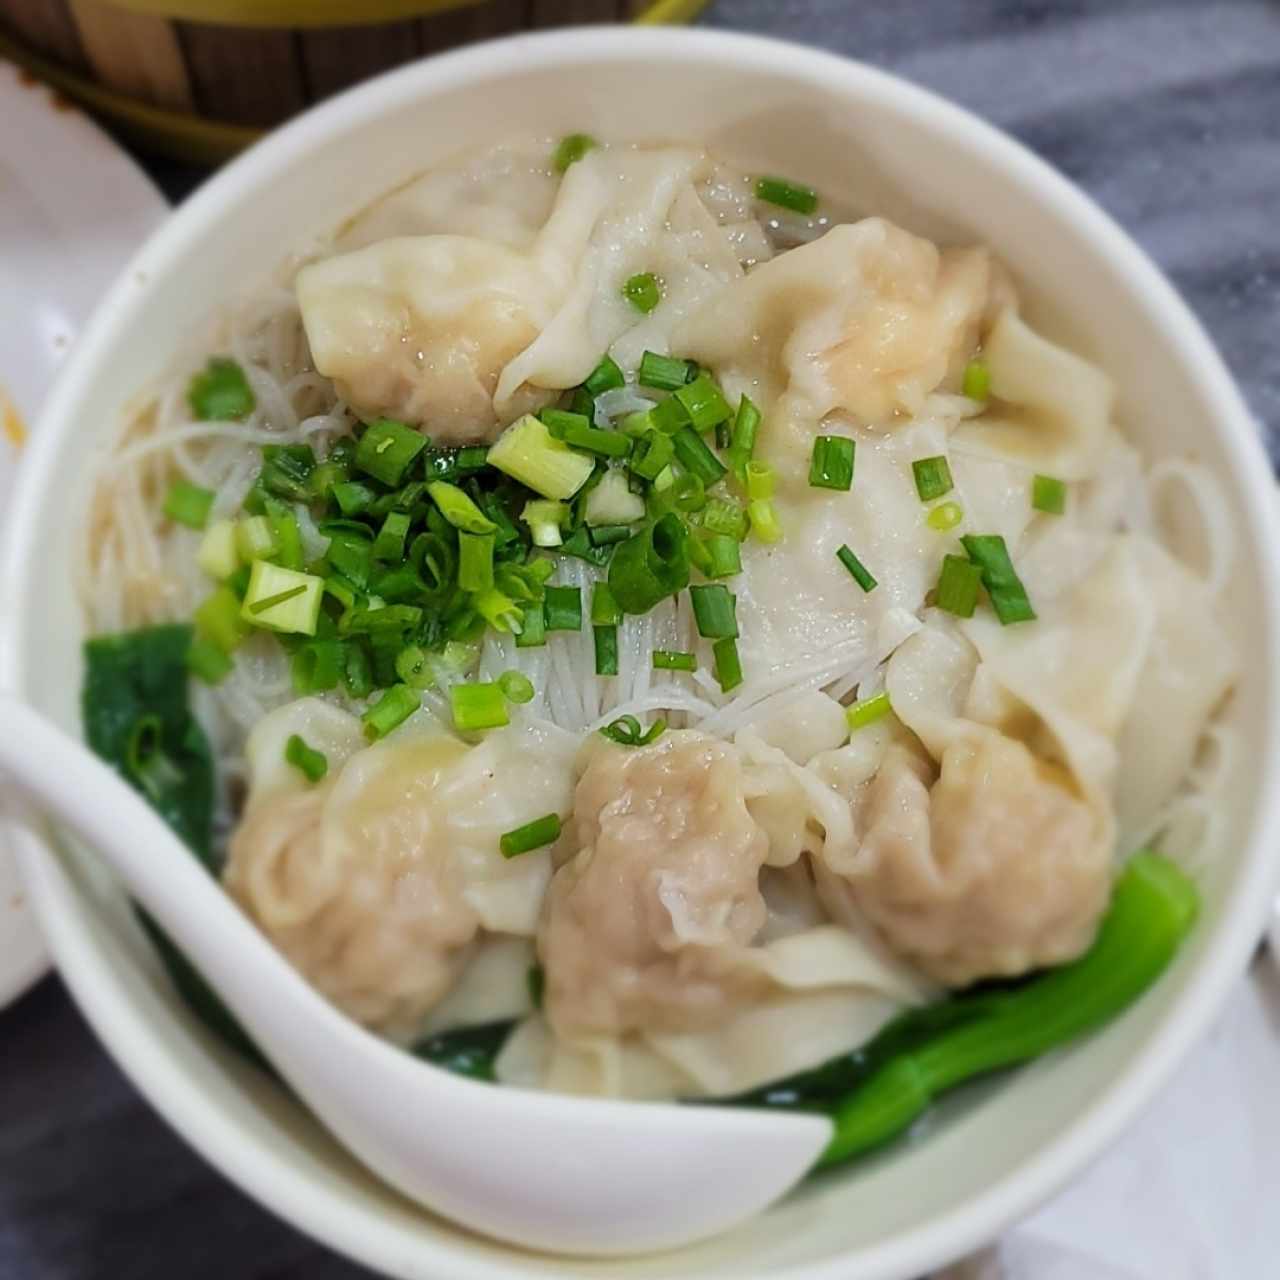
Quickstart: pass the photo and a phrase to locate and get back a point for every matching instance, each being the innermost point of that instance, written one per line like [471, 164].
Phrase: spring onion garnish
[932, 477]
[189, 504]
[856, 568]
[352, 497]
[651, 565]
[207, 661]
[787, 195]
[946, 515]
[764, 521]
[221, 392]
[317, 667]
[564, 608]
[958, 585]
[651, 453]
[217, 555]
[604, 377]
[1004, 587]
[528, 452]
[759, 479]
[696, 458]
[287, 470]
[605, 640]
[604, 608]
[458, 509]
[357, 672]
[688, 493]
[674, 660]
[312, 764]
[728, 666]
[724, 556]
[475, 561]
[218, 620]
[665, 373]
[831, 466]
[570, 149]
[546, 520]
[626, 731]
[976, 383]
[454, 464]
[704, 402]
[499, 610]
[389, 544]
[1049, 494]
[724, 516]
[516, 687]
[392, 709]
[578, 432]
[746, 424]
[535, 979]
[386, 450]
[643, 292]
[254, 538]
[287, 535]
[714, 612]
[533, 835]
[478, 706]
[868, 711]
[669, 416]
[533, 632]
[282, 599]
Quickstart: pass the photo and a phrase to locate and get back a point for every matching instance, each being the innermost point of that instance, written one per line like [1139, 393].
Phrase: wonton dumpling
[657, 888]
[990, 867]
[869, 319]
[375, 884]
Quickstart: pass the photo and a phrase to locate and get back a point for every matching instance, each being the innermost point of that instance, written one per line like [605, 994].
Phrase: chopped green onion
[868, 711]
[606, 376]
[353, 497]
[559, 420]
[389, 544]
[665, 373]
[932, 477]
[217, 555]
[386, 450]
[977, 380]
[218, 620]
[787, 195]
[317, 667]
[434, 557]
[764, 521]
[945, 516]
[696, 458]
[611, 502]
[745, 426]
[546, 520]
[534, 631]
[1004, 587]
[221, 393]
[528, 452]
[651, 453]
[605, 639]
[287, 470]
[728, 665]
[499, 610]
[643, 292]
[570, 149]
[602, 535]
[1049, 494]
[458, 509]
[856, 568]
[413, 666]
[958, 584]
[287, 535]
[760, 481]
[636, 424]
[688, 493]
[516, 687]
[704, 402]
[478, 706]
[535, 979]
[189, 504]
[579, 435]
[674, 660]
[604, 608]
[650, 565]
[626, 731]
[580, 545]
[715, 611]
[563, 607]
[356, 672]
[350, 550]
[311, 763]
[254, 538]
[533, 835]
[724, 556]
[724, 516]
[668, 416]
[475, 561]
[454, 464]
[282, 599]
[391, 710]
[831, 465]
[206, 660]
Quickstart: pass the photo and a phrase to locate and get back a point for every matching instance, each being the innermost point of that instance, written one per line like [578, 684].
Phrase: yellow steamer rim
[192, 139]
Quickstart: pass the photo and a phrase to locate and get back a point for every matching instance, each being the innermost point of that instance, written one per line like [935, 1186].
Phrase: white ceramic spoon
[541, 1170]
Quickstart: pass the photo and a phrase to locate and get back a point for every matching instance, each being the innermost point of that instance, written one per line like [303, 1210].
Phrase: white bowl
[858, 134]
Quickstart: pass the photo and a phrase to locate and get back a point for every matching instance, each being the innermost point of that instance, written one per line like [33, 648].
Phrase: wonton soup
[619, 625]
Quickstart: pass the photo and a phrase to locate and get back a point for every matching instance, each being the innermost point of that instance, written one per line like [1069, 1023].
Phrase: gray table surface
[1166, 111]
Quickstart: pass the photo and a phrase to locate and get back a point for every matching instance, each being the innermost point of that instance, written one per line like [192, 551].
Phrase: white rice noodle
[1216, 539]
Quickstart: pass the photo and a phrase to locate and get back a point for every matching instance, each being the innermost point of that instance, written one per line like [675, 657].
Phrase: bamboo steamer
[198, 80]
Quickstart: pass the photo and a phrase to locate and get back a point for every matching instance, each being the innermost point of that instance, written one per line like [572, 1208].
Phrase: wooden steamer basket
[198, 80]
